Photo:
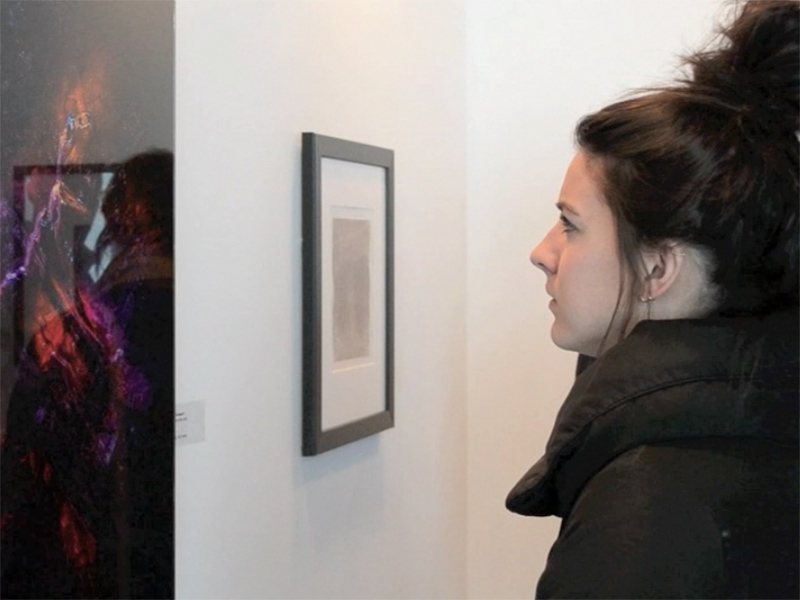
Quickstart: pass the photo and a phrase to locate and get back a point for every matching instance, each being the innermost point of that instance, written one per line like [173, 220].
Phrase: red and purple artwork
[87, 299]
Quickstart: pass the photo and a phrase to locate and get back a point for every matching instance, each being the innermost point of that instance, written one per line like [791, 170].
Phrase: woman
[674, 459]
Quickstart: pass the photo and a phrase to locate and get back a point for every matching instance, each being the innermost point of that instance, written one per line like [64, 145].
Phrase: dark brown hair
[712, 162]
[138, 206]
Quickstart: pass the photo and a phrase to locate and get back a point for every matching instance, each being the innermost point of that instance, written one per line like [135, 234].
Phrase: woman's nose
[543, 256]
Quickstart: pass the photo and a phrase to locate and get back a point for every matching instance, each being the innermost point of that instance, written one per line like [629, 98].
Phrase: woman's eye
[567, 224]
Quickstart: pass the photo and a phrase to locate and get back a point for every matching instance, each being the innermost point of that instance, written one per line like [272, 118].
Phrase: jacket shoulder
[684, 519]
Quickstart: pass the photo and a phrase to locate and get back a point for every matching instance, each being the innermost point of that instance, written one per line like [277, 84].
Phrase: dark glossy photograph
[87, 299]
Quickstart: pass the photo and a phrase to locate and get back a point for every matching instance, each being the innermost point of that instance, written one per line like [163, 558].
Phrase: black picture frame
[93, 177]
[348, 291]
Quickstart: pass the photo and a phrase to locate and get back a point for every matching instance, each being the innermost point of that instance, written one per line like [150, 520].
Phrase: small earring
[648, 299]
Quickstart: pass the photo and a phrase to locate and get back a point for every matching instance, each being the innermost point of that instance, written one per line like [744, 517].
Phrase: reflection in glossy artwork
[87, 299]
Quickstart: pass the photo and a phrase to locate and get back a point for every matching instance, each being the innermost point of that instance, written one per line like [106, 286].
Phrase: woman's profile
[673, 462]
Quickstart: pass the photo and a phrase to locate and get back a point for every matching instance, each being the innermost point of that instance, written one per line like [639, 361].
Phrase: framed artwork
[87, 315]
[348, 191]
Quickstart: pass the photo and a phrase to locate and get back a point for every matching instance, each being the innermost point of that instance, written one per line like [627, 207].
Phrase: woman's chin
[563, 340]
[560, 337]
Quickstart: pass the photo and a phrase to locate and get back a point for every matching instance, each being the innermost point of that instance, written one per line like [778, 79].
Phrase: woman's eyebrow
[565, 206]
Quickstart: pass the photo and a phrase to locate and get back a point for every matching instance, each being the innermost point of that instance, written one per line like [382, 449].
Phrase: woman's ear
[661, 265]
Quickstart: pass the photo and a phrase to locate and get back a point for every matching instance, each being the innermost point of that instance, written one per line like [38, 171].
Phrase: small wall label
[190, 423]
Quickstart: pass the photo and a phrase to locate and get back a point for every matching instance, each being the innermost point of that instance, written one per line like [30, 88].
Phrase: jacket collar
[668, 380]
[134, 265]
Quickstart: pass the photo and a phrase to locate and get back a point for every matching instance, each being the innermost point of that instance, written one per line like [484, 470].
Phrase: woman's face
[580, 258]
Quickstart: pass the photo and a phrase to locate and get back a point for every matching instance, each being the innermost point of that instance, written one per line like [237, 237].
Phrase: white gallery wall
[478, 99]
[384, 517]
[533, 69]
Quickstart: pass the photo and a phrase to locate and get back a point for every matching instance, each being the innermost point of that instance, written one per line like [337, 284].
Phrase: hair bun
[755, 70]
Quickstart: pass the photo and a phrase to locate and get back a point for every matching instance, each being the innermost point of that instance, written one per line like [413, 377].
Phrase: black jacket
[674, 466]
